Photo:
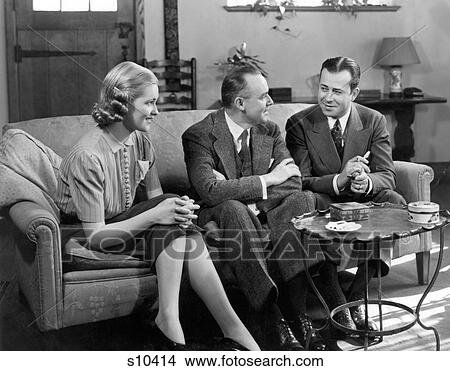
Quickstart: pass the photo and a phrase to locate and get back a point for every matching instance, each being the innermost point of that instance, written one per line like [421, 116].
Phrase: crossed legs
[204, 281]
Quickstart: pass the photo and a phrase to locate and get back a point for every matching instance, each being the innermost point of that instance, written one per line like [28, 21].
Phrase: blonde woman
[98, 185]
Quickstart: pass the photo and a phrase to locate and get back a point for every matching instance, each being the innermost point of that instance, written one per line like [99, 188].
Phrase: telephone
[412, 92]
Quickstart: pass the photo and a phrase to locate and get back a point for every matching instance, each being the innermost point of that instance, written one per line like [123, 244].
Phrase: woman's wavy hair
[121, 86]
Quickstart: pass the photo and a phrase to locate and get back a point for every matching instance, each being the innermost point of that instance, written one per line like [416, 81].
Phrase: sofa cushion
[79, 258]
[28, 171]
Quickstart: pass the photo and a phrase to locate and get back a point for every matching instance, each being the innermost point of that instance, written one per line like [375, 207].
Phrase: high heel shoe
[162, 342]
[229, 344]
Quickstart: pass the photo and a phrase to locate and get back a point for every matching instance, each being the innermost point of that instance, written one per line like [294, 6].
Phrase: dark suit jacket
[208, 145]
[309, 140]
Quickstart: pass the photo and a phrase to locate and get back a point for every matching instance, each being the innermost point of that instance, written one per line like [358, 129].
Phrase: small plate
[342, 226]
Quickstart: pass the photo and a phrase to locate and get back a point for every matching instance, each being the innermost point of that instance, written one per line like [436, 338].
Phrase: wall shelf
[351, 9]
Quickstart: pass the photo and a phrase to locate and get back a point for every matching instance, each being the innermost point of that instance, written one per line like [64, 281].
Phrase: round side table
[386, 222]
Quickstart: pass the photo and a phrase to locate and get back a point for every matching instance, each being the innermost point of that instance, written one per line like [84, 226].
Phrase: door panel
[67, 85]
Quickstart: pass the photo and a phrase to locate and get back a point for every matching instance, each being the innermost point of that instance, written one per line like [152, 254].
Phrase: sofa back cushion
[61, 133]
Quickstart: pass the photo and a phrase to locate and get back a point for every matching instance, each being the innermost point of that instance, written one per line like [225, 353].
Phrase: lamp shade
[397, 51]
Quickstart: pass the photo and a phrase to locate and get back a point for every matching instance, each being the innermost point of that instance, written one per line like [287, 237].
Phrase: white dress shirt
[343, 121]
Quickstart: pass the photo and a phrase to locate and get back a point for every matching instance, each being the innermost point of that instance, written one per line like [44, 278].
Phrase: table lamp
[395, 52]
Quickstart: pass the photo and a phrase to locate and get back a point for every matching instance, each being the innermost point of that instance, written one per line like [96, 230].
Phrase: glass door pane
[104, 5]
[46, 5]
[75, 5]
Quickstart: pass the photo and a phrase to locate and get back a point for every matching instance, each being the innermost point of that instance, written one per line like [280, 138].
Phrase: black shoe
[358, 314]
[344, 318]
[279, 336]
[162, 342]
[308, 337]
[229, 344]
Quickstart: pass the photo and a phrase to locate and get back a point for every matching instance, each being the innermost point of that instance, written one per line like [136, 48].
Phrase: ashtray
[342, 226]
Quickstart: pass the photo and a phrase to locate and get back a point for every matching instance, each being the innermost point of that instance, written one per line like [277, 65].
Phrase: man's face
[255, 100]
[335, 95]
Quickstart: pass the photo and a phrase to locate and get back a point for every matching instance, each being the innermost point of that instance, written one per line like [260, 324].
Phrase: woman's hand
[186, 203]
[176, 211]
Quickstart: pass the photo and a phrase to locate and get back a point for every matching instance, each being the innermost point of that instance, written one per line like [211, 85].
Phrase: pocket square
[143, 166]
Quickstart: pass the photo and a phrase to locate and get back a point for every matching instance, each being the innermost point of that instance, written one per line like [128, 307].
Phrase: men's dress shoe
[229, 344]
[279, 336]
[308, 337]
[344, 318]
[162, 342]
[358, 314]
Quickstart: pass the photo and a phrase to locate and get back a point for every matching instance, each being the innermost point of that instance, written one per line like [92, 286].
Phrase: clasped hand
[177, 210]
[356, 170]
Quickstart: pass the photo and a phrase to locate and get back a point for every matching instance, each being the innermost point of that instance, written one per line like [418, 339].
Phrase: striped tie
[338, 138]
[244, 154]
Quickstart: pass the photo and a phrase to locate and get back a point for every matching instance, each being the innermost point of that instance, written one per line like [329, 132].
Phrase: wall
[3, 79]
[209, 33]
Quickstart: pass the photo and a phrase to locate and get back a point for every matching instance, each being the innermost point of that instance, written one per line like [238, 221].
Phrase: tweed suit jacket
[208, 145]
[309, 140]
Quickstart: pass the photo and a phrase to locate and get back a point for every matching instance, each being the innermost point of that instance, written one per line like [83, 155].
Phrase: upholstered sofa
[59, 297]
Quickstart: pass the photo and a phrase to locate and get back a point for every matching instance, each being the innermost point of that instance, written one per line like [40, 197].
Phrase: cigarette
[366, 156]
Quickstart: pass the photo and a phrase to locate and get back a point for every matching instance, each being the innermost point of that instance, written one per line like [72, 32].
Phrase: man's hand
[219, 175]
[354, 167]
[360, 183]
[282, 172]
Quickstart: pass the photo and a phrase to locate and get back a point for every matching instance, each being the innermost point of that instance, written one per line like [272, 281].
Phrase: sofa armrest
[40, 271]
[28, 216]
[413, 180]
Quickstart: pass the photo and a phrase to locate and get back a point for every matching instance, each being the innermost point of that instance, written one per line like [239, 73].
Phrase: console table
[404, 112]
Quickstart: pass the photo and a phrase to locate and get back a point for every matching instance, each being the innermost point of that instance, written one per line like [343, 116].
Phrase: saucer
[342, 226]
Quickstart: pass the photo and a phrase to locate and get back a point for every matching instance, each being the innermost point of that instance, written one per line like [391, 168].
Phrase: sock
[331, 289]
[272, 312]
[296, 292]
[356, 290]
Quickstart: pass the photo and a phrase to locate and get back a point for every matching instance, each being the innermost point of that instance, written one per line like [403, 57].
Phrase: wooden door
[60, 58]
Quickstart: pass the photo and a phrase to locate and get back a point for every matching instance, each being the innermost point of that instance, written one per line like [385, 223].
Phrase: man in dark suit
[344, 154]
[240, 168]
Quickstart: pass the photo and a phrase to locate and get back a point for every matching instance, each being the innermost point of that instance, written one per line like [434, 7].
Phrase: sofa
[113, 286]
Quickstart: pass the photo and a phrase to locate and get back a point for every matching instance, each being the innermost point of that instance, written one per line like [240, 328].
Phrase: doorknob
[20, 53]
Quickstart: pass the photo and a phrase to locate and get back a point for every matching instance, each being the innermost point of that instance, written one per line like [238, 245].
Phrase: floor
[17, 331]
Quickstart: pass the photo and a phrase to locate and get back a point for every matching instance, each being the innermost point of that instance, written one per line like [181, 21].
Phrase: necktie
[244, 154]
[336, 133]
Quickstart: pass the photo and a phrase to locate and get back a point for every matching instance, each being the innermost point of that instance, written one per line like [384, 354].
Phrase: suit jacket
[208, 145]
[309, 140]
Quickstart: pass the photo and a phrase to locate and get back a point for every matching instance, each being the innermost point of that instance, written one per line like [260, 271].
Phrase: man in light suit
[241, 170]
[344, 154]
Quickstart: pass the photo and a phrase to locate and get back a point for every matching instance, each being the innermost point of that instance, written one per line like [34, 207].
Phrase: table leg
[313, 286]
[430, 286]
[380, 307]
[403, 135]
[366, 304]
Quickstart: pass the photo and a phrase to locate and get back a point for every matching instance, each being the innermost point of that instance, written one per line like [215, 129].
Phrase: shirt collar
[234, 128]
[114, 143]
[343, 120]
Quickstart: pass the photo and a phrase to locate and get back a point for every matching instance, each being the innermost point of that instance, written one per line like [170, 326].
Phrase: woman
[98, 187]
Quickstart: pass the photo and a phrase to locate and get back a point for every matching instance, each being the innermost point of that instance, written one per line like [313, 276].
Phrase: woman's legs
[206, 283]
[169, 267]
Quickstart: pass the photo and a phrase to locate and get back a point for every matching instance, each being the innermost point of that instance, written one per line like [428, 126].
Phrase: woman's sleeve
[152, 183]
[86, 182]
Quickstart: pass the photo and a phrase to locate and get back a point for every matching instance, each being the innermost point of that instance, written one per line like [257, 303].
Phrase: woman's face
[142, 110]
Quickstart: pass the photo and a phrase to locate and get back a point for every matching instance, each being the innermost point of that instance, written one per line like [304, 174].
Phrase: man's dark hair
[234, 82]
[338, 64]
